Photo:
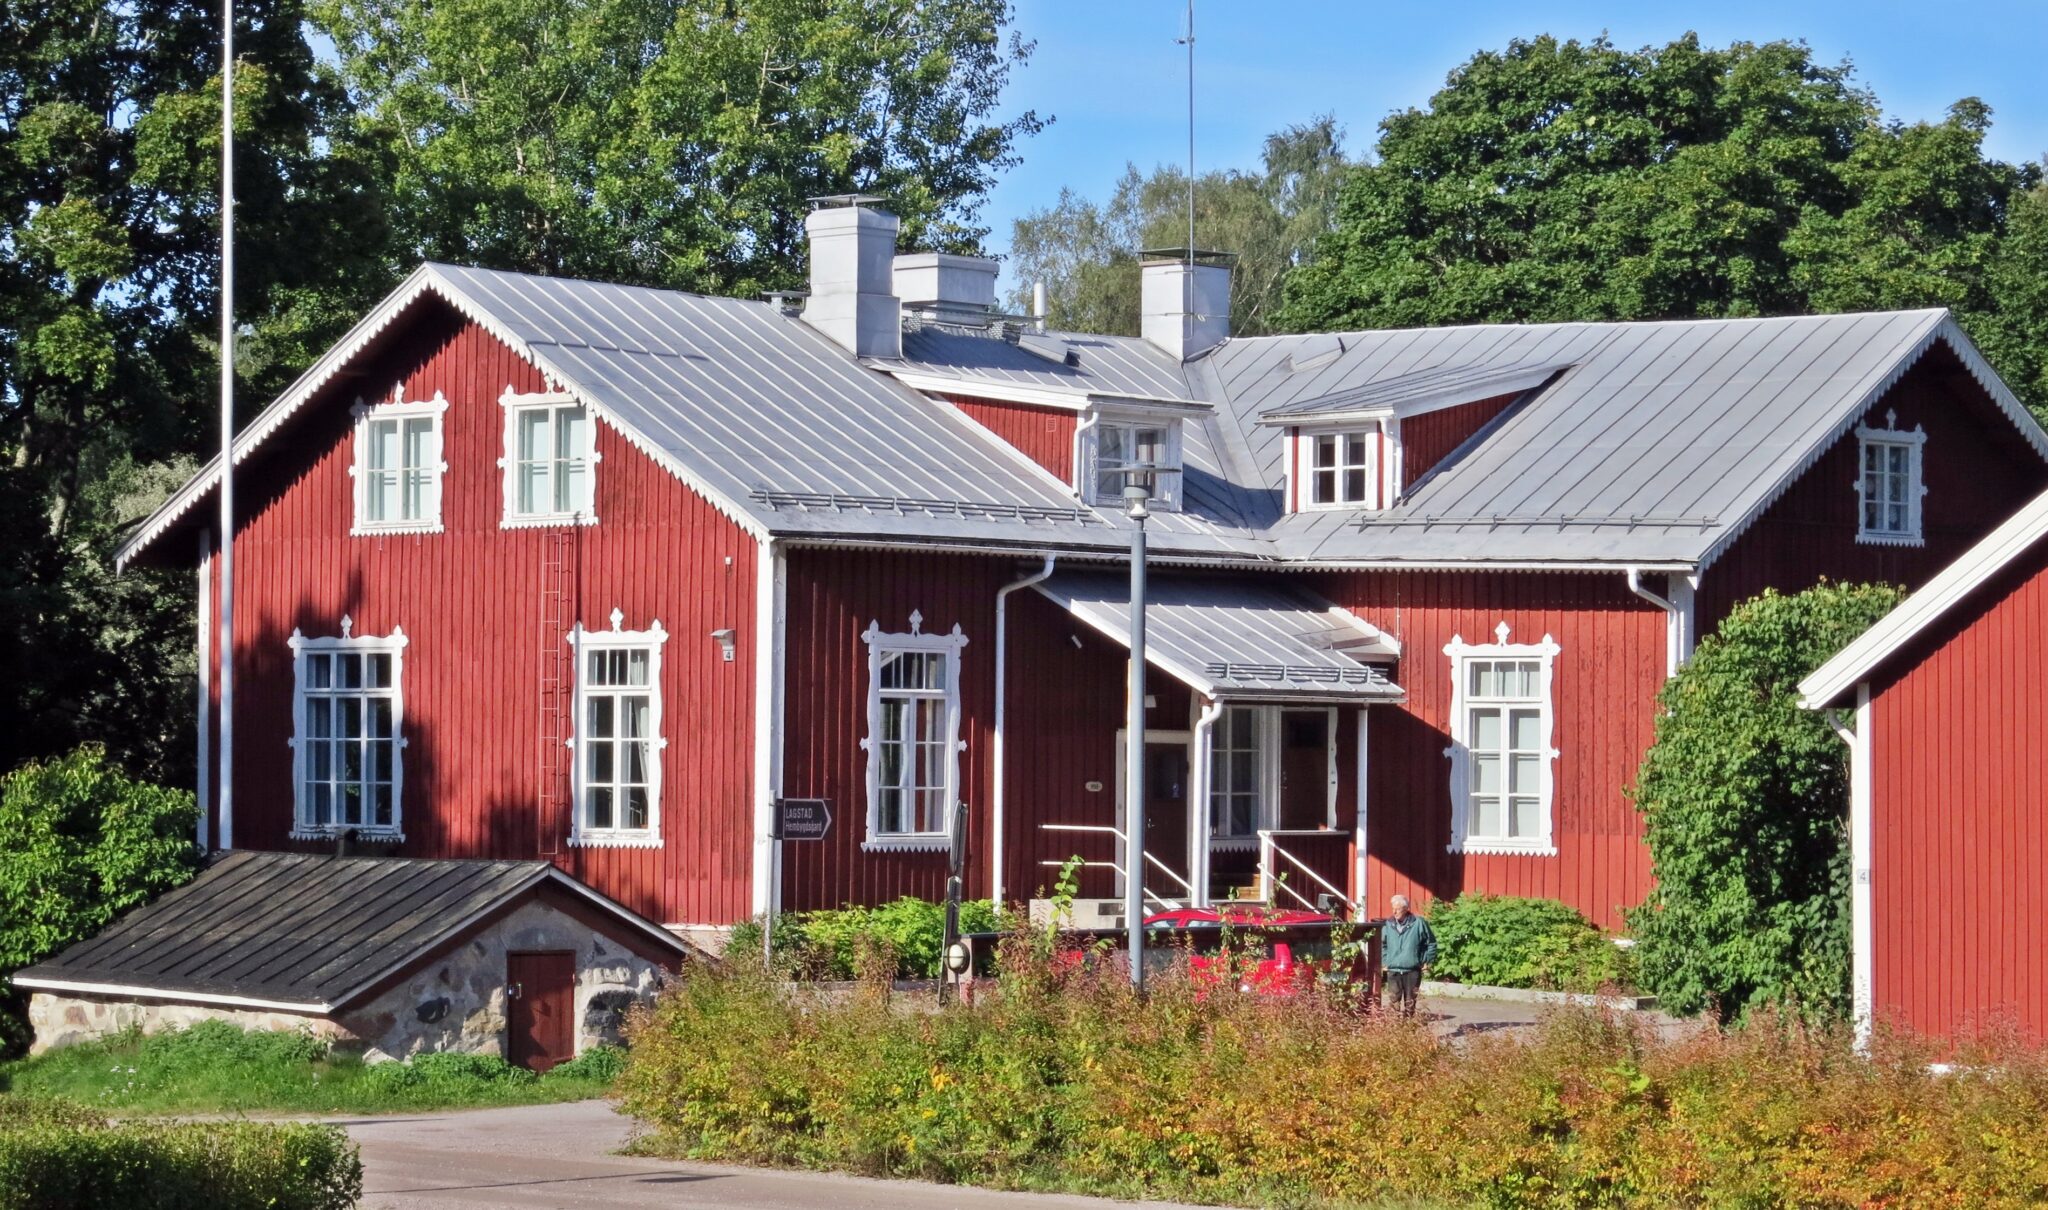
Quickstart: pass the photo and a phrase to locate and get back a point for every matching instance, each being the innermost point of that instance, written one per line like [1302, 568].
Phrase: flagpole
[226, 640]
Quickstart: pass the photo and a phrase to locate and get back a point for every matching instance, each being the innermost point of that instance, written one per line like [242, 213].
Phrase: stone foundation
[454, 1003]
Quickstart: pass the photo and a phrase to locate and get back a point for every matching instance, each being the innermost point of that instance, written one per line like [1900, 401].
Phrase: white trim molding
[1378, 446]
[880, 646]
[348, 643]
[514, 406]
[586, 642]
[397, 410]
[1862, 893]
[1912, 530]
[1463, 655]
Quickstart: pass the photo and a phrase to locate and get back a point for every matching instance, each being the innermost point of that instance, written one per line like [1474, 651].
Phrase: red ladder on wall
[557, 686]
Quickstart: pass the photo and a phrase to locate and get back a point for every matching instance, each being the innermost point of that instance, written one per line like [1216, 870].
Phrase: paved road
[561, 1156]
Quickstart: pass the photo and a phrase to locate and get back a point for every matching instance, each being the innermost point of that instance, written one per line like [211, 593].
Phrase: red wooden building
[535, 567]
[1943, 707]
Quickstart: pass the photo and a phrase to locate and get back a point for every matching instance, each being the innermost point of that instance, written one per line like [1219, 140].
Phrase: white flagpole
[226, 640]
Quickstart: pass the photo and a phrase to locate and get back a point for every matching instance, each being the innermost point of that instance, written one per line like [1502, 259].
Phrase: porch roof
[1235, 639]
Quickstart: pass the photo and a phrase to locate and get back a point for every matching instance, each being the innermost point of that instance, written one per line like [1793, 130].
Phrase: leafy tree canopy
[1744, 795]
[675, 142]
[1085, 253]
[1565, 180]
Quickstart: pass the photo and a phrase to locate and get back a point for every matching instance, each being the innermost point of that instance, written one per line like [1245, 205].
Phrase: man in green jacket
[1407, 947]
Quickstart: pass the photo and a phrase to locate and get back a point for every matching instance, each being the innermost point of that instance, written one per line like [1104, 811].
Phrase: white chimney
[851, 297]
[1184, 302]
[946, 286]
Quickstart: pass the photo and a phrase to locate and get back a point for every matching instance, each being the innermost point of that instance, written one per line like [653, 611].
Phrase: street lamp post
[1138, 486]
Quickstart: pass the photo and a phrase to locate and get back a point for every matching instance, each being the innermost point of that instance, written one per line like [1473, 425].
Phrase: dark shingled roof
[303, 930]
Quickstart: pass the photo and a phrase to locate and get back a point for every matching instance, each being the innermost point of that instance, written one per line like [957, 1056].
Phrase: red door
[540, 1009]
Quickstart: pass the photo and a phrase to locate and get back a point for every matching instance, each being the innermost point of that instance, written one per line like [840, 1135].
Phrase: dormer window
[1115, 442]
[1888, 486]
[1343, 469]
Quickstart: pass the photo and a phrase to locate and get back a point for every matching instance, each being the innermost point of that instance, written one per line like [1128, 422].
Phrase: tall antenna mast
[1189, 41]
[226, 640]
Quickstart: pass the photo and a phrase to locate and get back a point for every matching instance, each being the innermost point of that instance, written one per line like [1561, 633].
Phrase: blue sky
[1110, 72]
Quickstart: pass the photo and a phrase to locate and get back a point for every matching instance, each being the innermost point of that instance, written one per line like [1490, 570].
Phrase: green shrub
[1059, 1077]
[1745, 799]
[598, 1064]
[58, 1157]
[828, 944]
[1507, 941]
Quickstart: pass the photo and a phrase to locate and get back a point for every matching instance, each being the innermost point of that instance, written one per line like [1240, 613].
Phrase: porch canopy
[1239, 640]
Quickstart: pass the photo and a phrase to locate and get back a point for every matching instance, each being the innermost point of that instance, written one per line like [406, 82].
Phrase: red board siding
[1959, 871]
[1607, 674]
[1977, 473]
[470, 601]
[1044, 435]
[1429, 438]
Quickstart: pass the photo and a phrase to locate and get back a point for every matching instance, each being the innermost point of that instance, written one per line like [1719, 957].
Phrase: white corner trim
[1460, 753]
[880, 644]
[770, 603]
[651, 641]
[1862, 891]
[1829, 684]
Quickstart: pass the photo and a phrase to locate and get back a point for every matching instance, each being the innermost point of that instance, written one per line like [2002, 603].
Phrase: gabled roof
[1419, 391]
[305, 933]
[1238, 640]
[1833, 683]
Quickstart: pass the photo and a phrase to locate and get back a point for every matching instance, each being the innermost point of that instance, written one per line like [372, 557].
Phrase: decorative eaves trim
[1946, 330]
[138, 991]
[1833, 681]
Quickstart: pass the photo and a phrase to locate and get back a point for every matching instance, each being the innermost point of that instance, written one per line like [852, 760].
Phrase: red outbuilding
[537, 568]
[1944, 709]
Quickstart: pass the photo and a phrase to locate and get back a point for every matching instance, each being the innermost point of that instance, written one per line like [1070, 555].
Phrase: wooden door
[1166, 818]
[1304, 769]
[540, 1009]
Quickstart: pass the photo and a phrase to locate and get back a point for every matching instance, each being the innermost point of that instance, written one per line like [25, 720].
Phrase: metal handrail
[1156, 864]
[1268, 847]
[1159, 901]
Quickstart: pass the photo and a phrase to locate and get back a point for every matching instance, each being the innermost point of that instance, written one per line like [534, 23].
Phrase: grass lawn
[218, 1068]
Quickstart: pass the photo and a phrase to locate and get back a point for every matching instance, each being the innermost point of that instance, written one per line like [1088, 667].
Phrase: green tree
[1744, 796]
[1561, 180]
[675, 142]
[1086, 253]
[109, 163]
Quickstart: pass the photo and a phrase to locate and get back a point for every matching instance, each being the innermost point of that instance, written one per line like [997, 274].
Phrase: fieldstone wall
[454, 1003]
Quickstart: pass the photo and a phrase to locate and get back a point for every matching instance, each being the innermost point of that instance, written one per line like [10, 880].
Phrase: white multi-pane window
[1341, 469]
[1501, 754]
[1237, 768]
[1888, 485]
[618, 739]
[550, 460]
[913, 741]
[348, 706]
[398, 465]
[1111, 445]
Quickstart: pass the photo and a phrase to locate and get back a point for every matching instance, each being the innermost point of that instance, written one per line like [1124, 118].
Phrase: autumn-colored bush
[1060, 1077]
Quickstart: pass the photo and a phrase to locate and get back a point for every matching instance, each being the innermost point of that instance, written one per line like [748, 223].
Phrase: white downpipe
[1677, 618]
[1360, 904]
[204, 639]
[770, 586]
[998, 794]
[1088, 421]
[1862, 904]
[1198, 803]
[227, 425]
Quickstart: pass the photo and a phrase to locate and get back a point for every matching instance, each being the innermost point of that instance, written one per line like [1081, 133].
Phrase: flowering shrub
[1060, 1077]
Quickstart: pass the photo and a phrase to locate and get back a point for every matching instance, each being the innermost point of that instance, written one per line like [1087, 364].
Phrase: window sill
[379, 531]
[649, 839]
[1503, 848]
[355, 832]
[1233, 844]
[547, 521]
[1865, 539]
[922, 842]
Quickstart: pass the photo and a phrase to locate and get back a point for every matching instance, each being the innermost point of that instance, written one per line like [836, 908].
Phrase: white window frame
[1376, 445]
[1270, 730]
[398, 410]
[348, 642]
[514, 405]
[1891, 437]
[879, 645]
[1462, 654]
[584, 642]
[1088, 456]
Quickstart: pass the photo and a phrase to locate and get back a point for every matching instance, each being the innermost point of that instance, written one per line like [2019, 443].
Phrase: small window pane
[1526, 773]
[1525, 727]
[533, 434]
[350, 671]
[1527, 818]
[1486, 732]
[1486, 773]
[319, 670]
[1486, 814]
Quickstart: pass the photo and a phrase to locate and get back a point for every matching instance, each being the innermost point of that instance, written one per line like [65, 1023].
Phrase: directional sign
[802, 818]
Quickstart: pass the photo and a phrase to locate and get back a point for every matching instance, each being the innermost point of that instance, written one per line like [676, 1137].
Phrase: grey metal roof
[1418, 390]
[1097, 365]
[299, 929]
[1236, 638]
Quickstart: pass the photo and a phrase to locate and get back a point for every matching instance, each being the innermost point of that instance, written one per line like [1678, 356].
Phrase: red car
[1274, 952]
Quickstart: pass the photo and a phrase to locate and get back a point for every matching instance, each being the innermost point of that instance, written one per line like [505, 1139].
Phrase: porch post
[1362, 906]
[1198, 803]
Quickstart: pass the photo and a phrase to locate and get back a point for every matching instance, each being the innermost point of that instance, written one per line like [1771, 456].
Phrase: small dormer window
[1343, 469]
[1113, 444]
[1888, 483]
